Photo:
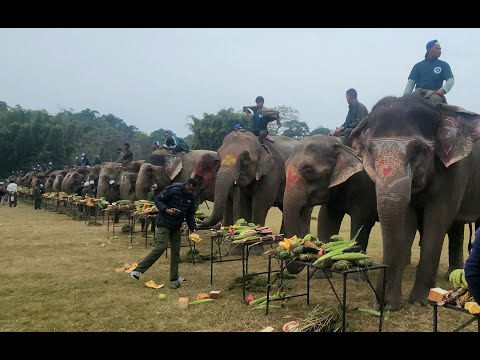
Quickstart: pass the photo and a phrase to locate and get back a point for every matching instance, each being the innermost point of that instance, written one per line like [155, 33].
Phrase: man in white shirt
[12, 194]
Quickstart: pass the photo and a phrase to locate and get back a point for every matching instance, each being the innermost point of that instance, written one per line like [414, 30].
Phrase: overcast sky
[156, 78]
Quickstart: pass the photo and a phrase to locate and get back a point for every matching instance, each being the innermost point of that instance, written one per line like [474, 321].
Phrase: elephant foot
[418, 296]
[392, 305]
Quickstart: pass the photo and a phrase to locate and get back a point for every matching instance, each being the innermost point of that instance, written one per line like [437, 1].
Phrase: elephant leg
[242, 204]
[436, 217]
[262, 201]
[357, 221]
[305, 218]
[329, 221]
[456, 234]
[228, 212]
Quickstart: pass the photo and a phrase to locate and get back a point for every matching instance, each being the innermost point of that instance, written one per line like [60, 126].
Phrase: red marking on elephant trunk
[387, 170]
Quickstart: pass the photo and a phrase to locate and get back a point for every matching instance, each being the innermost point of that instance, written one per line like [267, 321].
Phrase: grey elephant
[323, 171]
[206, 171]
[174, 169]
[50, 181]
[116, 171]
[255, 171]
[423, 159]
[73, 180]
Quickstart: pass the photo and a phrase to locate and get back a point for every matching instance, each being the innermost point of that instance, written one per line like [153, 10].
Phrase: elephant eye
[308, 173]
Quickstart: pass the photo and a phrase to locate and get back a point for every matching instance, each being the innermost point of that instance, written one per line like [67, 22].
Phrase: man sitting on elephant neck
[175, 144]
[428, 75]
[127, 154]
[356, 112]
[260, 121]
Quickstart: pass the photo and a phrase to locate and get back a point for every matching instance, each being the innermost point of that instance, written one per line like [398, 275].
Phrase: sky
[156, 78]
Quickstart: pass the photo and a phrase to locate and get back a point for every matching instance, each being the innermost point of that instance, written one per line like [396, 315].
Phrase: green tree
[291, 126]
[320, 130]
[208, 132]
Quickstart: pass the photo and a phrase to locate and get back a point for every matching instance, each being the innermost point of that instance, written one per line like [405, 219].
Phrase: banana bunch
[457, 279]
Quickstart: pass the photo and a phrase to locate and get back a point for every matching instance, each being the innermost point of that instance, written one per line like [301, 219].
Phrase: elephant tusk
[235, 183]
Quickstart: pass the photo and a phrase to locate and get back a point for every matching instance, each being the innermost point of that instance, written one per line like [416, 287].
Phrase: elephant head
[38, 178]
[94, 174]
[206, 171]
[404, 144]
[109, 171]
[318, 163]
[57, 183]
[73, 181]
[243, 160]
[127, 186]
[50, 182]
[147, 176]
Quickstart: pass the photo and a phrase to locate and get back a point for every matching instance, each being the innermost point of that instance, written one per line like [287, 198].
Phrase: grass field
[58, 275]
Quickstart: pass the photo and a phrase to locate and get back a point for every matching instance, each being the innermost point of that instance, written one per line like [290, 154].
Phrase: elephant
[323, 171]
[423, 159]
[256, 171]
[26, 179]
[116, 171]
[38, 177]
[94, 173]
[49, 183]
[57, 183]
[73, 180]
[206, 171]
[175, 169]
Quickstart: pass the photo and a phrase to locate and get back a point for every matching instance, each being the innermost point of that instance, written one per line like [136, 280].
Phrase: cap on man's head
[86, 183]
[237, 126]
[168, 132]
[431, 44]
[111, 182]
[92, 182]
[156, 143]
[259, 99]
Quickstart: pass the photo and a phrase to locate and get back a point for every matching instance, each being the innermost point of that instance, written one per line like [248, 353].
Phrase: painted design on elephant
[229, 160]
[389, 157]
[451, 125]
[293, 177]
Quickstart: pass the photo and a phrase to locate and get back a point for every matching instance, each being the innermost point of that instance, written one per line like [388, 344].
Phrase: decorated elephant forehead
[229, 160]
[396, 146]
[293, 177]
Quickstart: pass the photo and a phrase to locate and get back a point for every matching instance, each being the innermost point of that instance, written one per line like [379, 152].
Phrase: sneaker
[175, 284]
[181, 279]
[135, 274]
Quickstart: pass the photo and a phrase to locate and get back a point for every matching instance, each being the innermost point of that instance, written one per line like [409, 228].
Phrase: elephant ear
[347, 164]
[265, 162]
[456, 134]
[360, 137]
[173, 165]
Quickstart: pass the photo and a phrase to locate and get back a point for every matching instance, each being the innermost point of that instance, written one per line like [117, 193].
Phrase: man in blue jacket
[472, 268]
[175, 204]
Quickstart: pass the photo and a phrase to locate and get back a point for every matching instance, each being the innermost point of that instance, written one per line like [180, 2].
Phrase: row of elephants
[413, 166]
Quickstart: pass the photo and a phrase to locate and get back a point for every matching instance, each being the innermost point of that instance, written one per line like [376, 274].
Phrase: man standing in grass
[175, 204]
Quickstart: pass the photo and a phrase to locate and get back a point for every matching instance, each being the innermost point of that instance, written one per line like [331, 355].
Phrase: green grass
[57, 277]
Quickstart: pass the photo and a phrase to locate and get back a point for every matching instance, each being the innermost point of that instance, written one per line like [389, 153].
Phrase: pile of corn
[145, 207]
[243, 231]
[338, 253]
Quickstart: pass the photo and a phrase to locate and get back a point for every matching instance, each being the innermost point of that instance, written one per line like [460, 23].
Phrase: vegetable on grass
[201, 301]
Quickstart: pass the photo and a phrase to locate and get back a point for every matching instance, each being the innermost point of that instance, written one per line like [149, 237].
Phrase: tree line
[31, 137]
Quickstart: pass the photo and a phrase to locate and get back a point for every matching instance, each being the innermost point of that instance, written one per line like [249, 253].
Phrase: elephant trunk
[223, 184]
[392, 205]
[294, 209]
[143, 183]
[296, 213]
[103, 189]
